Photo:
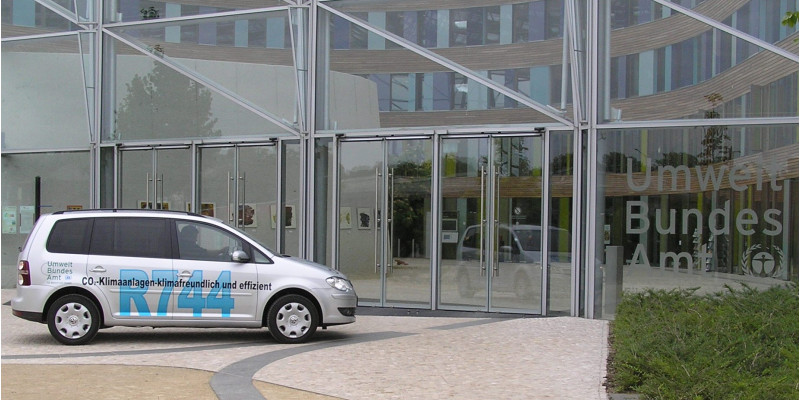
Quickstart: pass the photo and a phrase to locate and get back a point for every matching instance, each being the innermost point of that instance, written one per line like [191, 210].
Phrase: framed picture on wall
[144, 205]
[364, 218]
[273, 216]
[345, 217]
[248, 217]
[289, 217]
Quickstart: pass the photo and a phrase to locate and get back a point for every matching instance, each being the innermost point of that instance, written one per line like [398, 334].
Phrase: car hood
[312, 265]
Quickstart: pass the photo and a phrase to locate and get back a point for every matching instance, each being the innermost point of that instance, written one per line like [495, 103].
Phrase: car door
[130, 262]
[210, 285]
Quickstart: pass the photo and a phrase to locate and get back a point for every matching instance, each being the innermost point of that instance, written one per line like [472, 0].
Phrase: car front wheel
[292, 319]
[73, 319]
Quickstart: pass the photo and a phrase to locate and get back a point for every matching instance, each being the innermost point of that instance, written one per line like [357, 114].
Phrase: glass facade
[519, 156]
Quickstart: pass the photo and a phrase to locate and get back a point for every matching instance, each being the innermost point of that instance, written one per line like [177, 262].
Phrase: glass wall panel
[64, 185]
[43, 97]
[678, 67]
[323, 198]
[562, 173]
[22, 18]
[757, 18]
[248, 56]
[696, 207]
[291, 188]
[390, 86]
[151, 100]
[139, 10]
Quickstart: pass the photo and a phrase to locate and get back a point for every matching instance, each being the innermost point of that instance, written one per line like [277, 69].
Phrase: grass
[738, 344]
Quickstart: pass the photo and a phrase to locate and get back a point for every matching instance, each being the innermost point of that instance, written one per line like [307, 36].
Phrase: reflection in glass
[153, 101]
[413, 90]
[668, 69]
[64, 184]
[155, 179]
[696, 207]
[45, 79]
[408, 188]
[143, 10]
[22, 18]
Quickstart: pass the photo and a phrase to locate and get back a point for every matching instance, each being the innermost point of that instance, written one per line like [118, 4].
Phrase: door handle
[185, 274]
[98, 269]
[377, 222]
[243, 202]
[482, 221]
[230, 212]
[496, 202]
[147, 192]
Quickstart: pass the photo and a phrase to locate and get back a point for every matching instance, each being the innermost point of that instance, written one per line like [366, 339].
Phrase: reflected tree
[716, 143]
[165, 104]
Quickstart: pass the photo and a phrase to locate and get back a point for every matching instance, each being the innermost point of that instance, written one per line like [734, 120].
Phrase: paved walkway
[378, 357]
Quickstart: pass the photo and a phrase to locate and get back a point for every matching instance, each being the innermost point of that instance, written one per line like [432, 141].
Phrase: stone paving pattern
[417, 358]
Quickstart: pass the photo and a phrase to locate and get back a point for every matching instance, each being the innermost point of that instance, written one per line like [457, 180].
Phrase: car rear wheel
[292, 319]
[73, 319]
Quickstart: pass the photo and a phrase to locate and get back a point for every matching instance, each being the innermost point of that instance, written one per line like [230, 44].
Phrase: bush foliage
[739, 344]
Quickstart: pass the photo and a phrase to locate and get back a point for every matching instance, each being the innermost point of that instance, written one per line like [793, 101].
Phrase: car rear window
[131, 237]
[70, 236]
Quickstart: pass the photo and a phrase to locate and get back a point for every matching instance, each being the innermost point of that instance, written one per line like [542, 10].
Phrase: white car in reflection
[518, 264]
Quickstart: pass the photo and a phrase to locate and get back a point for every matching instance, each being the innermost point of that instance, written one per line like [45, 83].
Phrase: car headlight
[339, 283]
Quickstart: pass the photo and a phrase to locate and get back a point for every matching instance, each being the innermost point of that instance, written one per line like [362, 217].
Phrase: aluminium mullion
[42, 36]
[699, 123]
[590, 200]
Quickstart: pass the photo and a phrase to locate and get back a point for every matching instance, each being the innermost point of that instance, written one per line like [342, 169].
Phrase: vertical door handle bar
[161, 200]
[482, 221]
[230, 212]
[496, 261]
[377, 221]
[147, 192]
[243, 204]
[389, 223]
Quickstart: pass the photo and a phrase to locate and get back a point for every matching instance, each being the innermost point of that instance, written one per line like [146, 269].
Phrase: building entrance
[493, 229]
[384, 219]
[155, 177]
[239, 185]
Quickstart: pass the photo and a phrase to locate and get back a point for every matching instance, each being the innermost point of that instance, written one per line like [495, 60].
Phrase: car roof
[128, 212]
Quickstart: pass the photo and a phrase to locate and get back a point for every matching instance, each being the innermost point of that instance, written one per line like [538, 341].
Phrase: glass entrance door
[239, 185]
[491, 219]
[155, 178]
[384, 200]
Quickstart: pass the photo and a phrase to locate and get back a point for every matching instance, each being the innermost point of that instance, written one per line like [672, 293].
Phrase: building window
[399, 93]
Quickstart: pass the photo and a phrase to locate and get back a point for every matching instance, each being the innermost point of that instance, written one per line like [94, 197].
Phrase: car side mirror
[240, 256]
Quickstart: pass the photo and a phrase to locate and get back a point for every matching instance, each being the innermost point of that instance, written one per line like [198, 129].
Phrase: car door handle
[185, 274]
[98, 269]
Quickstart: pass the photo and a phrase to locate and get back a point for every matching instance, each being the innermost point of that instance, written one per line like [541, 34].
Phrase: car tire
[292, 319]
[73, 319]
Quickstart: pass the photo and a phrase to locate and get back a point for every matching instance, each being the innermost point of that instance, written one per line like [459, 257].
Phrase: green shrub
[739, 344]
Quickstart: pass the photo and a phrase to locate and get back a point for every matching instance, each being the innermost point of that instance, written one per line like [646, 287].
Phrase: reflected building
[421, 147]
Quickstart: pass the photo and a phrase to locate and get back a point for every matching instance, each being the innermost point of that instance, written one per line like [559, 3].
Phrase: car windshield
[529, 239]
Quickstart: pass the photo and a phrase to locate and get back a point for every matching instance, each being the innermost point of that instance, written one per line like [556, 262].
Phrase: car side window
[203, 242]
[131, 237]
[472, 238]
[70, 236]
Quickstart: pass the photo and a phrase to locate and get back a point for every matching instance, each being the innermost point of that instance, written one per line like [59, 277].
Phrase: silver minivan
[80, 271]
